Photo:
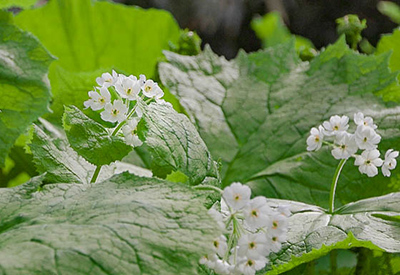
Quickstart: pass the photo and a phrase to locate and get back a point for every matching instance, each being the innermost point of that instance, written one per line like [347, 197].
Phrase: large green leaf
[24, 88]
[255, 113]
[89, 37]
[175, 144]
[91, 140]
[125, 225]
[369, 223]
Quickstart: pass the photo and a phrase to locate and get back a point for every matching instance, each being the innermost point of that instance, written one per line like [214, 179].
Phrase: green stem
[96, 174]
[334, 184]
[208, 187]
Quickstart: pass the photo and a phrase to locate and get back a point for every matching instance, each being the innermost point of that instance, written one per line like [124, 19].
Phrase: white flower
[335, 125]
[256, 212]
[209, 260]
[390, 162]
[106, 80]
[222, 267]
[114, 112]
[366, 138]
[98, 101]
[283, 210]
[249, 266]
[359, 119]
[368, 162]
[314, 141]
[236, 195]
[345, 146]
[277, 223]
[220, 246]
[152, 90]
[275, 240]
[128, 87]
[130, 133]
[253, 245]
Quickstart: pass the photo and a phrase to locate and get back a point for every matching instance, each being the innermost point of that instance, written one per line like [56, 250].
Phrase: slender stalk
[96, 174]
[334, 184]
[208, 187]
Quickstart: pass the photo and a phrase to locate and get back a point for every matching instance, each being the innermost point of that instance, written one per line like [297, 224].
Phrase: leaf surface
[255, 113]
[368, 223]
[125, 225]
[24, 88]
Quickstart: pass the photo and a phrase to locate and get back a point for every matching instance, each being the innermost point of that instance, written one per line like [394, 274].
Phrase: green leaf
[91, 37]
[255, 113]
[17, 3]
[125, 225]
[390, 9]
[91, 140]
[390, 42]
[24, 88]
[175, 144]
[272, 31]
[313, 233]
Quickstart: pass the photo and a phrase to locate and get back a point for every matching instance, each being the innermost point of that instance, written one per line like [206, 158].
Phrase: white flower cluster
[346, 145]
[127, 91]
[253, 228]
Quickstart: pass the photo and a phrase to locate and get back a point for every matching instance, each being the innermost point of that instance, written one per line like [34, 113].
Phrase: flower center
[102, 100]
[252, 245]
[237, 197]
[250, 263]
[216, 244]
[336, 127]
[254, 213]
[115, 112]
[316, 138]
[365, 139]
[274, 224]
[129, 91]
[367, 161]
[147, 88]
[343, 146]
[274, 239]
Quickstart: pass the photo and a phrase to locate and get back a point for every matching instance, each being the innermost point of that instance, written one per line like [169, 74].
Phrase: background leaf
[17, 3]
[127, 225]
[88, 37]
[255, 113]
[24, 87]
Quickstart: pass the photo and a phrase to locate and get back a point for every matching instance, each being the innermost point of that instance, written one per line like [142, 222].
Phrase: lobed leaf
[255, 113]
[313, 233]
[125, 225]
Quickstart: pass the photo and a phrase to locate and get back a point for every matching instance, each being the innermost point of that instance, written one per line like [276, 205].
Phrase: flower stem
[334, 184]
[96, 174]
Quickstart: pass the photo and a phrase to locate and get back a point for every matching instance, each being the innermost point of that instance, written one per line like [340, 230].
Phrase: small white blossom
[275, 240]
[217, 216]
[359, 119]
[366, 138]
[236, 195]
[390, 162]
[336, 124]
[249, 266]
[253, 245]
[257, 213]
[220, 246]
[368, 162]
[222, 267]
[128, 87]
[114, 112]
[98, 101]
[152, 90]
[106, 80]
[345, 146]
[209, 260]
[277, 223]
[314, 141]
[130, 133]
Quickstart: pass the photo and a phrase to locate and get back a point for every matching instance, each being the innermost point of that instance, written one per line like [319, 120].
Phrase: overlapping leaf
[255, 112]
[24, 89]
[125, 225]
[88, 36]
[175, 144]
[369, 223]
